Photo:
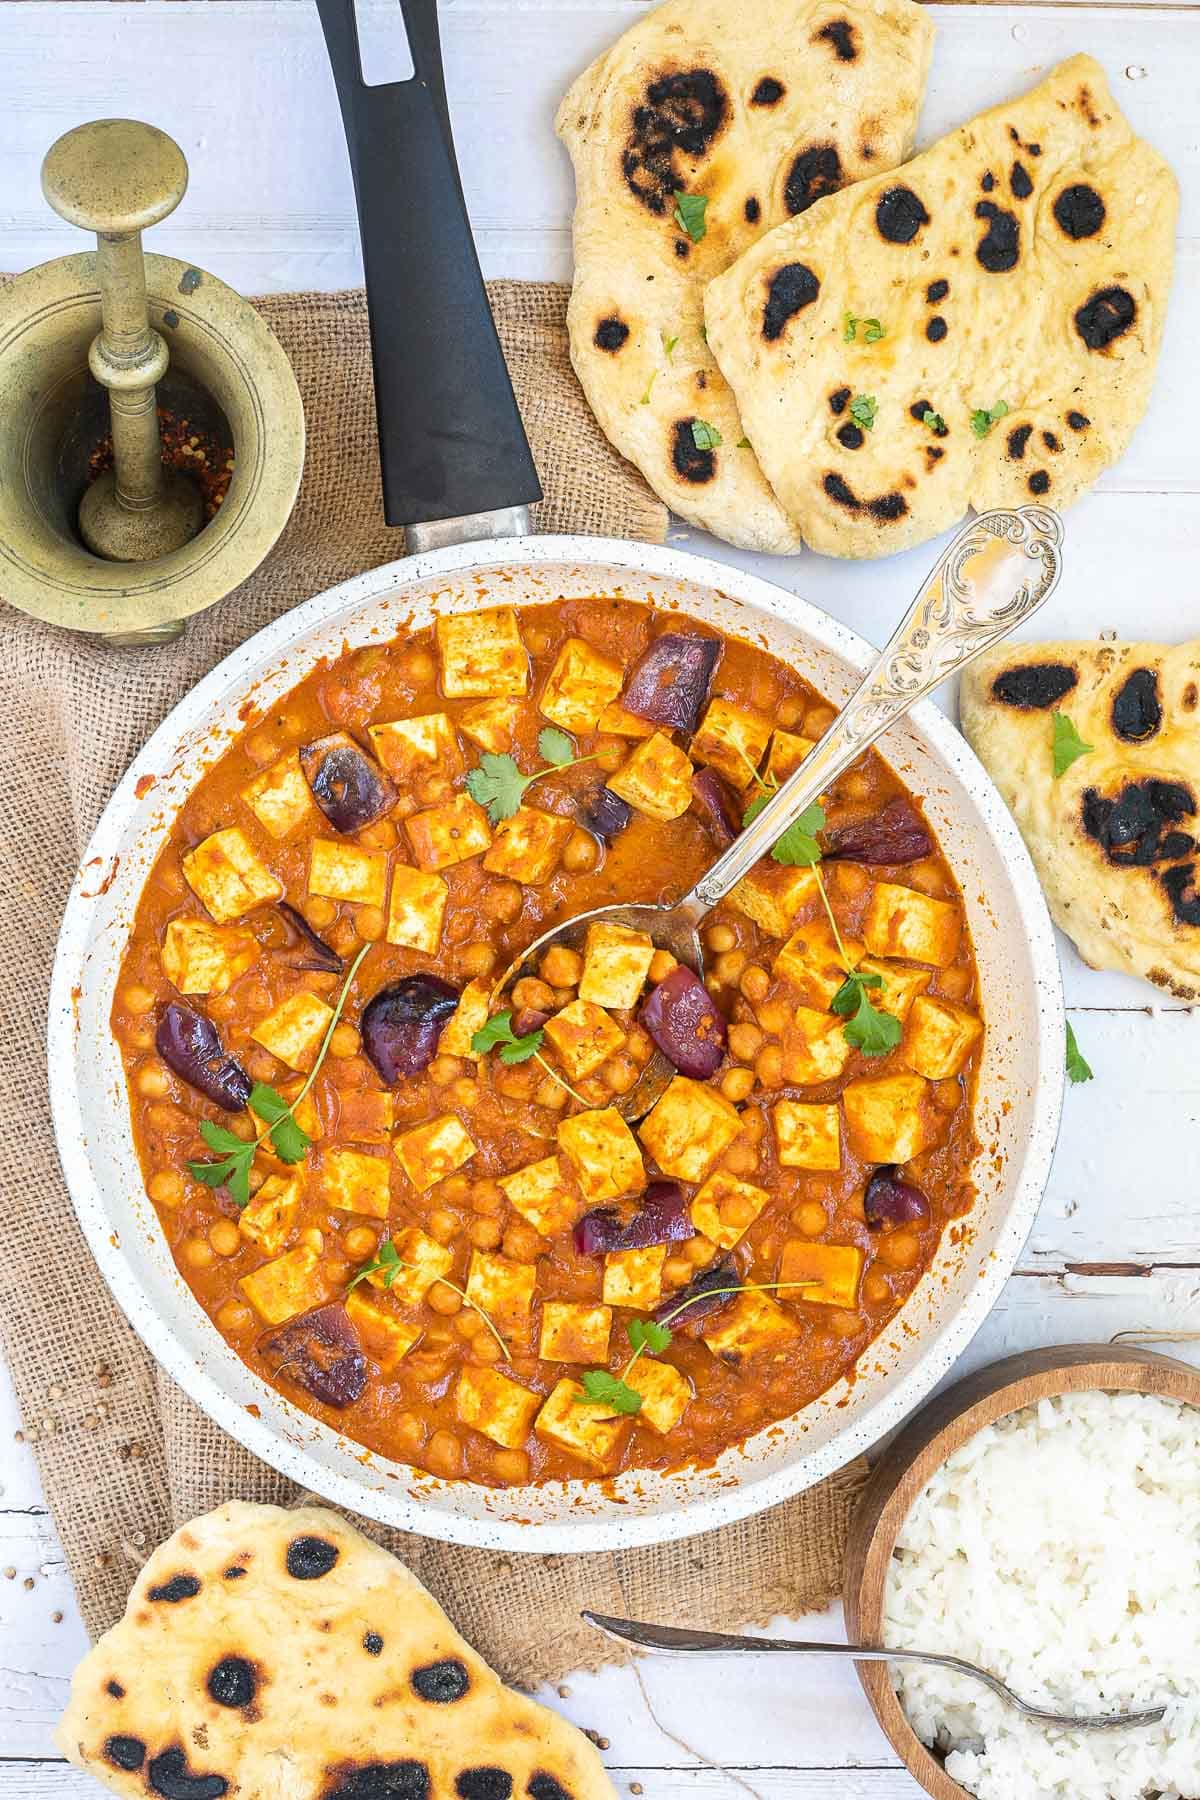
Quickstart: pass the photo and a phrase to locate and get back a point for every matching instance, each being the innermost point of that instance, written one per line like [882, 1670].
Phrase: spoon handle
[994, 576]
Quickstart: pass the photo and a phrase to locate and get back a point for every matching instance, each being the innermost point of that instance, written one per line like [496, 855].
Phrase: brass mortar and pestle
[91, 348]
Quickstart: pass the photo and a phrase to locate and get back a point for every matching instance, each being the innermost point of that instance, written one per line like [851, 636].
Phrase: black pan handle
[451, 442]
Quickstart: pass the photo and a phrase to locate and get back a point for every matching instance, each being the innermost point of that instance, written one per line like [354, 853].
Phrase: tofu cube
[690, 1129]
[422, 1262]
[666, 1394]
[430, 1152]
[751, 1325]
[580, 685]
[634, 1278]
[354, 1182]
[269, 1217]
[584, 1428]
[410, 749]
[784, 756]
[303, 1111]
[543, 1195]
[731, 740]
[618, 723]
[293, 1030]
[280, 798]
[890, 1119]
[528, 846]
[201, 958]
[901, 922]
[386, 1337]
[603, 1155]
[901, 985]
[496, 1405]
[482, 655]
[615, 965]
[583, 1037]
[504, 1290]
[814, 1048]
[811, 963]
[724, 1209]
[468, 1017]
[807, 1137]
[574, 1333]
[656, 780]
[289, 1285]
[365, 1115]
[773, 895]
[833, 1270]
[492, 724]
[340, 871]
[940, 1037]
[415, 909]
[451, 833]
[228, 877]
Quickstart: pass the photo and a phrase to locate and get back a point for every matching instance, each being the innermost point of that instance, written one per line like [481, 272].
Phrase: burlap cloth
[125, 1457]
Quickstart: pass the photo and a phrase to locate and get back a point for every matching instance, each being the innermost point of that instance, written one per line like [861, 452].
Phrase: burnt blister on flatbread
[937, 290]
[1136, 709]
[1079, 211]
[1105, 316]
[850, 436]
[1180, 885]
[999, 249]
[611, 334]
[372, 1643]
[128, 1753]
[406, 1780]
[541, 1786]
[1019, 182]
[816, 171]
[838, 399]
[170, 1776]
[1078, 421]
[899, 215]
[769, 92]
[789, 291]
[1034, 686]
[440, 1683]
[485, 1783]
[179, 1587]
[689, 460]
[885, 507]
[1142, 826]
[233, 1682]
[1039, 482]
[936, 329]
[1018, 437]
[752, 210]
[682, 113]
[308, 1558]
[840, 34]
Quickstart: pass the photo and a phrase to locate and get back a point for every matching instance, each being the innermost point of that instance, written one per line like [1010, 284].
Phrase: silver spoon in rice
[993, 577]
[670, 1640]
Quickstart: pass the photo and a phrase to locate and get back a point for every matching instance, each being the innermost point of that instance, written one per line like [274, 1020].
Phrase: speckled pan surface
[1020, 1092]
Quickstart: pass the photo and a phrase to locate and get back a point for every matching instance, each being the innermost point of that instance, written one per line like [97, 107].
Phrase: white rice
[1059, 1548]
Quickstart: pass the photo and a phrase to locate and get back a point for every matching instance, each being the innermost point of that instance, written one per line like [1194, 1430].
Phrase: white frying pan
[458, 473]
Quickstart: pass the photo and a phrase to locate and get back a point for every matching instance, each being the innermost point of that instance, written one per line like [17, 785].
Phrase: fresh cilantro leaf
[704, 435]
[744, 444]
[870, 1030]
[498, 785]
[218, 1138]
[290, 1141]
[1068, 745]
[649, 1335]
[874, 331]
[689, 214]
[386, 1263]
[213, 1174]
[798, 847]
[606, 1389]
[862, 410]
[845, 1001]
[1078, 1068]
[935, 421]
[984, 417]
[499, 1031]
[555, 747]
[233, 1169]
[649, 386]
[849, 328]
[754, 808]
[521, 1049]
[669, 343]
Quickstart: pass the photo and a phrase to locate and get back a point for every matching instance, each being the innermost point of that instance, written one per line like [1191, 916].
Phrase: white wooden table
[243, 86]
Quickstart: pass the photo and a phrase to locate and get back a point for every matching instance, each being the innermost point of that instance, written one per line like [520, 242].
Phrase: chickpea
[745, 1042]
[487, 1197]
[445, 1069]
[661, 964]
[610, 754]
[454, 1189]
[319, 911]
[233, 1317]
[788, 711]
[581, 852]
[360, 1243]
[468, 1324]
[522, 1243]
[313, 1238]
[465, 1092]
[255, 1179]
[774, 1016]
[818, 719]
[563, 997]
[551, 1094]
[198, 1253]
[502, 900]
[698, 1250]
[534, 994]
[562, 967]
[946, 1096]
[537, 640]
[486, 1349]
[409, 1433]
[166, 1187]
[444, 1455]
[138, 999]
[737, 1085]
[677, 1271]
[444, 1300]
[510, 1466]
[619, 1073]
[925, 876]
[418, 666]
[345, 1041]
[405, 807]
[224, 1237]
[754, 1126]
[435, 789]
[876, 1289]
[737, 1211]
[728, 968]
[900, 1249]
[740, 1159]
[810, 1218]
[477, 959]
[639, 1044]
[153, 1081]
[719, 938]
[955, 983]
[370, 924]
[262, 746]
[485, 1234]
[754, 982]
[223, 1006]
[382, 835]
[850, 880]
[768, 1066]
[335, 1270]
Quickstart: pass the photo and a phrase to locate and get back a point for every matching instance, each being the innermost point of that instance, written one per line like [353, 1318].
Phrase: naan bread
[762, 106]
[1116, 839]
[1021, 263]
[274, 1655]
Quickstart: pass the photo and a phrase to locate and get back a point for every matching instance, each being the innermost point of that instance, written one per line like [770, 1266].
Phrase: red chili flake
[195, 450]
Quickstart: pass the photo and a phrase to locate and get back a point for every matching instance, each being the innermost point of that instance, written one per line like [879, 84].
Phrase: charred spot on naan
[403, 1780]
[179, 1587]
[484, 1783]
[233, 1682]
[789, 290]
[1078, 421]
[1034, 687]
[885, 507]
[171, 1776]
[752, 210]
[1137, 709]
[689, 461]
[769, 92]
[936, 329]
[127, 1753]
[1182, 892]
[850, 436]
[1079, 212]
[441, 1683]
[815, 172]
[838, 400]
[308, 1558]
[1105, 316]
[937, 290]
[541, 1786]
[682, 114]
[611, 334]
[1039, 482]
[1019, 182]
[999, 249]
[1018, 438]
[1141, 825]
[840, 35]
[899, 215]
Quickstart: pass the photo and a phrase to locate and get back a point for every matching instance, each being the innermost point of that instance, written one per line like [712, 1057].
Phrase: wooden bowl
[921, 1448]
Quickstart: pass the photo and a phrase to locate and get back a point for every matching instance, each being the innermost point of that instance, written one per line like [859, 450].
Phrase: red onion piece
[662, 1218]
[681, 1016]
[890, 1201]
[527, 1019]
[894, 836]
[714, 803]
[320, 955]
[703, 1295]
[401, 1025]
[607, 814]
[190, 1046]
[668, 684]
[348, 785]
[321, 1351]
